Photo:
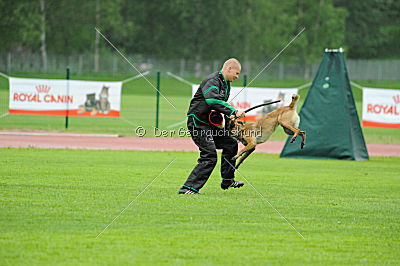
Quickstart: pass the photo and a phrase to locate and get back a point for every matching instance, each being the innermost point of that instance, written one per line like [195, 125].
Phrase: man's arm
[215, 100]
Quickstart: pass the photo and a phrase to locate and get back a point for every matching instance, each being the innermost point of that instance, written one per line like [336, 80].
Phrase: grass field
[55, 202]
[138, 108]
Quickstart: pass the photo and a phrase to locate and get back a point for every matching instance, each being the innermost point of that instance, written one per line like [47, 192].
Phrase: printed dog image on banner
[90, 104]
[94, 106]
[103, 105]
[64, 97]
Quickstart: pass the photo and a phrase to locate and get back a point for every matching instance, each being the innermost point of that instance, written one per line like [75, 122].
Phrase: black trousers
[208, 139]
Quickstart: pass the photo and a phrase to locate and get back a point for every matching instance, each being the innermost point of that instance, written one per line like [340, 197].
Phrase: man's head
[231, 69]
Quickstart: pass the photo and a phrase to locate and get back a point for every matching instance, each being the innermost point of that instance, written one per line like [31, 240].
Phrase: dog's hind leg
[292, 128]
[303, 137]
[246, 154]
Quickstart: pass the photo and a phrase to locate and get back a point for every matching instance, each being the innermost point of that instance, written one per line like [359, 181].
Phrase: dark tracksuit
[211, 95]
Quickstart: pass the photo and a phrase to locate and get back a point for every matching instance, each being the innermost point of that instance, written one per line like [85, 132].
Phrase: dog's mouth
[231, 125]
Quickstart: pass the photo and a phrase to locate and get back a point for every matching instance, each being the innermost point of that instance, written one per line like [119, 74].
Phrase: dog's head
[235, 126]
[90, 98]
[104, 92]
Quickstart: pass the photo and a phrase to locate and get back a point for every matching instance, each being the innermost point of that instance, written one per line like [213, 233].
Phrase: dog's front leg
[251, 143]
[246, 154]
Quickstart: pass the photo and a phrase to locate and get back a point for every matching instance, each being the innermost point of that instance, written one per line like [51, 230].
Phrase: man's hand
[240, 114]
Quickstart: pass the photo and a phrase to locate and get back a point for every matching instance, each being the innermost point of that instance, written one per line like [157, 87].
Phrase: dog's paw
[302, 145]
[292, 140]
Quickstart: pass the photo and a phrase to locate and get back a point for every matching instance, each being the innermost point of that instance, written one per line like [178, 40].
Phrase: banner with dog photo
[58, 97]
[252, 96]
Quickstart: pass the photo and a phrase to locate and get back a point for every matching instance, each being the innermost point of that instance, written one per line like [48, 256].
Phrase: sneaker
[234, 184]
[187, 191]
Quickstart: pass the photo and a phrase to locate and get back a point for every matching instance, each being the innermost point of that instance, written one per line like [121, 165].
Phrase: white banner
[381, 108]
[252, 96]
[64, 97]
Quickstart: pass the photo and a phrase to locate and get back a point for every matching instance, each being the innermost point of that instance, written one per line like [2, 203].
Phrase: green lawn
[138, 108]
[55, 202]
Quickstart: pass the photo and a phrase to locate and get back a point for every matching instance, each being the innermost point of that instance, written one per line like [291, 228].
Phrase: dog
[103, 105]
[251, 134]
[89, 105]
[95, 106]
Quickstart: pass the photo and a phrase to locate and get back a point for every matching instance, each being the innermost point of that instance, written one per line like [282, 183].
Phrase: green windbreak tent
[329, 116]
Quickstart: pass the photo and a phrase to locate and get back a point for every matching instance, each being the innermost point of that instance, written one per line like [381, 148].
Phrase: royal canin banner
[251, 96]
[381, 108]
[58, 97]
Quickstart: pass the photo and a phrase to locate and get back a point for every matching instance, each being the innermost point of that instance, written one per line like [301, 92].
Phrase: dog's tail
[295, 98]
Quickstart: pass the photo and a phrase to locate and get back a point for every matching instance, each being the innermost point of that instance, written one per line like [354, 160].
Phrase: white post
[115, 65]
[97, 39]
[9, 62]
[281, 70]
[215, 65]
[43, 51]
[182, 67]
[80, 64]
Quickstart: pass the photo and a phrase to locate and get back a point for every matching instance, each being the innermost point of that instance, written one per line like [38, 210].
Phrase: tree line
[202, 29]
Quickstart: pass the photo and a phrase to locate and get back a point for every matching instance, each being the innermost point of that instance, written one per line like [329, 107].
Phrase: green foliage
[247, 29]
[325, 27]
[19, 25]
[372, 28]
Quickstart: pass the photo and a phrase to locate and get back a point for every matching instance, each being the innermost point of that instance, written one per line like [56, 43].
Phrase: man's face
[232, 73]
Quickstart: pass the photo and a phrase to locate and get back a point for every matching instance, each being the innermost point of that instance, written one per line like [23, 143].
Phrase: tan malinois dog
[253, 133]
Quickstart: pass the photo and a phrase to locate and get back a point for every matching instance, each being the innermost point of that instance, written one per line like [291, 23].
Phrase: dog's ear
[232, 124]
[229, 124]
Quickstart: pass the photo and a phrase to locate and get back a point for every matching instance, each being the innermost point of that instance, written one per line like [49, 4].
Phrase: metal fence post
[157, 98]
[244, 87]
[67, 111]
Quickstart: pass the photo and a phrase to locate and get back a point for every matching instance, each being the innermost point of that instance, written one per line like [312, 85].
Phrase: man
[212, 95]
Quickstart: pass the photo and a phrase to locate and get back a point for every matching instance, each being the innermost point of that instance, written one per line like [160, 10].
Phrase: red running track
[108, 142]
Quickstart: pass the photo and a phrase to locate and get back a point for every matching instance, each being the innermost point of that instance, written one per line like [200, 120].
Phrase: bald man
[213, 94]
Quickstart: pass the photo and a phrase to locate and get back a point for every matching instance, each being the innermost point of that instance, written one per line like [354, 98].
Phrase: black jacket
[211, 95]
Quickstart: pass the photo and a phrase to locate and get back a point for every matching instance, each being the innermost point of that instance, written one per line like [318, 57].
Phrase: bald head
[231, 69]
[233, 63]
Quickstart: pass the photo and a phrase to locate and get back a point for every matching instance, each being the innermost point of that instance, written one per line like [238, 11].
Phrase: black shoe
[233, 183]
[187, 191]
